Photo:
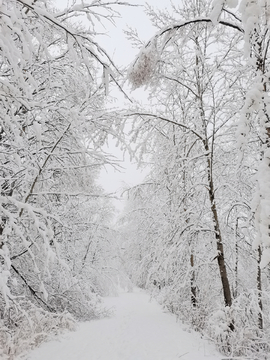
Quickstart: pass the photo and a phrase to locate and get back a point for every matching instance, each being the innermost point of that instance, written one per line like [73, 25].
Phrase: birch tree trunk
[209, 150]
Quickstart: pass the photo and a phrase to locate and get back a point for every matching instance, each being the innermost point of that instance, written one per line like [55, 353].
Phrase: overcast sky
[122, 53]
[135, 18]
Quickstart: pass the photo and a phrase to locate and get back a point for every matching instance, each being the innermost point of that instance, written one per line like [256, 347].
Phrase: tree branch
[169, 121]
[33, 292]
[195, 21]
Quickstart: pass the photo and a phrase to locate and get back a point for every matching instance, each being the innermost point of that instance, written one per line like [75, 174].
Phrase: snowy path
[139, 330]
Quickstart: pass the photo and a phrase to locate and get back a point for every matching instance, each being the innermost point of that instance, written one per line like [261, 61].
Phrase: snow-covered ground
[138, 330]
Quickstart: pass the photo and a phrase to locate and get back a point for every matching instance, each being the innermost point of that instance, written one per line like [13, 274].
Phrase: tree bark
[259, 288]
[192, 283]
[209, 154]
[236, 261]
[220, 250]
[219, 242]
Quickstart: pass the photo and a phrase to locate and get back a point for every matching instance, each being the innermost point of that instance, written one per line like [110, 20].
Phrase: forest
[195, 233]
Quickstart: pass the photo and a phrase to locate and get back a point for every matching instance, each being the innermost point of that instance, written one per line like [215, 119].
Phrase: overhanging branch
[195, 21]
[168, 121]
[33, 292]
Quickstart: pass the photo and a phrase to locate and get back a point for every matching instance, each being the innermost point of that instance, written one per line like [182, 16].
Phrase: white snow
[138, 330]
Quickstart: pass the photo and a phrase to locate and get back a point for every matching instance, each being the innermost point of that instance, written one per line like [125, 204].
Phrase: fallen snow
[138, 330]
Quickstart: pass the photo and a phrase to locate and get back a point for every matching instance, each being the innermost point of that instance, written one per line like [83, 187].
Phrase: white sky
[122, 53]
[133, 17]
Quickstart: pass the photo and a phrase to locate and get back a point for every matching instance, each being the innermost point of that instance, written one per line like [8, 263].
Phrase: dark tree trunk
[219, 242]
[236, 261]
[192, 283]
[259, 288]
[209, 154]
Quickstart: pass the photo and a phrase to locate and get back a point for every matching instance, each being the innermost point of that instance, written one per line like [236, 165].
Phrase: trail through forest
[139, 329]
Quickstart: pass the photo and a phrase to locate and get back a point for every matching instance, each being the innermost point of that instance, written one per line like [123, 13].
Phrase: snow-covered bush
[246, 339]
[178, 302]
[25, 326]
[218, 329]
[78, 298]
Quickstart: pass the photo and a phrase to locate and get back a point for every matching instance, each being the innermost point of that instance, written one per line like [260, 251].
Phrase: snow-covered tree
[53, 80]
[198, 82]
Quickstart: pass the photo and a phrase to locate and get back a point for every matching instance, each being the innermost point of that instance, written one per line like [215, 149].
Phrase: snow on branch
[158, 117]
[144, 66]
[45, 15]
[218, 7]
[82, 40]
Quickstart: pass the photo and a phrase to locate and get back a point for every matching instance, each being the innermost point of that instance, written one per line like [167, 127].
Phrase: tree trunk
[236, 261]
[259, 288]
[192, 283]
[220, 251]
